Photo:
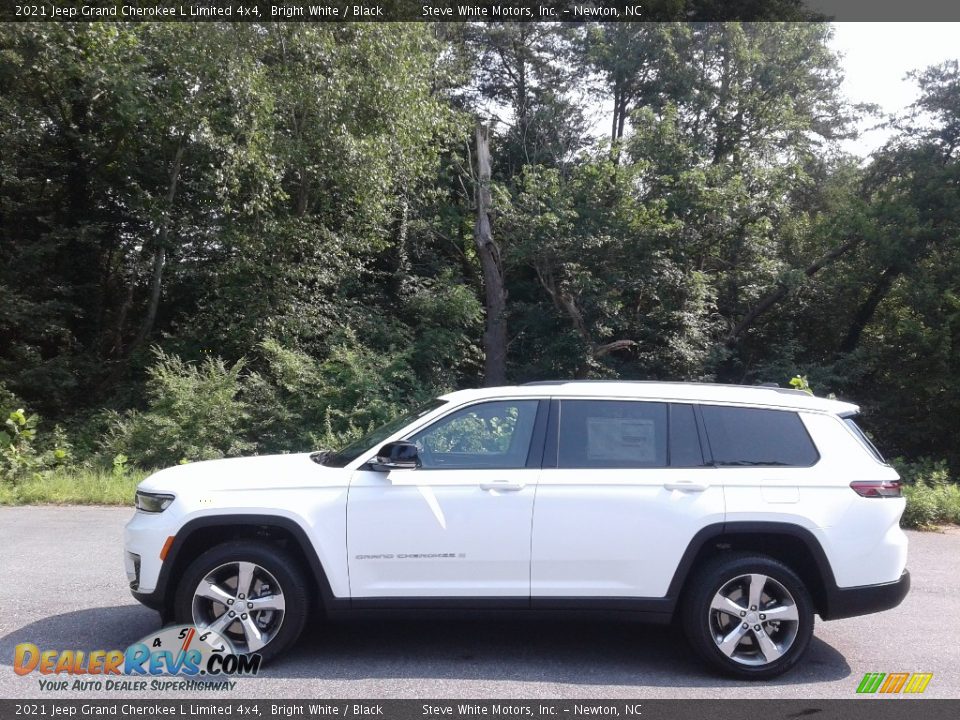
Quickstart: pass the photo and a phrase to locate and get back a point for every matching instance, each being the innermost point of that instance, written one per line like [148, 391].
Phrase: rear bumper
[866, 599]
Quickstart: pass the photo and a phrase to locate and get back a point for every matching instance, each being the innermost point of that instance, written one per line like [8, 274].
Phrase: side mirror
[399, 455]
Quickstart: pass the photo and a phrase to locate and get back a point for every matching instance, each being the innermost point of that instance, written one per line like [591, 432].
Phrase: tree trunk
[160, 253]
[616, 109]
[116, 343]
[866, 311]
[495, 297]
[620, 104]
[303, 193]
[721, 122]
[624, 106]
[780, 292]
[565, 303]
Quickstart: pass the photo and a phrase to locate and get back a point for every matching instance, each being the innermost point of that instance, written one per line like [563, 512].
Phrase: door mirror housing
[399, 455]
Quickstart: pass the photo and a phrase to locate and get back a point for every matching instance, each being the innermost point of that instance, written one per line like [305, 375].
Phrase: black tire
[749, 658]
[285, 571]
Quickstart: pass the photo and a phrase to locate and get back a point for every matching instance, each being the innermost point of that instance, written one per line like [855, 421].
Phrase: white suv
[741, 511]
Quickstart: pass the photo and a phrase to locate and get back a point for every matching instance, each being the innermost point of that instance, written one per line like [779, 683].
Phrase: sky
[877, 56]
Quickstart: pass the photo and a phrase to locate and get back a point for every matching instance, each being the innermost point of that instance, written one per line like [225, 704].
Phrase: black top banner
[581, 11]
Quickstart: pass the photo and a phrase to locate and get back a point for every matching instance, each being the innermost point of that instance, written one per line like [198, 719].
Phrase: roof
[755, 395]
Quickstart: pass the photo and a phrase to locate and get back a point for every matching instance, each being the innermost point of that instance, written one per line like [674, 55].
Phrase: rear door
[624, 489]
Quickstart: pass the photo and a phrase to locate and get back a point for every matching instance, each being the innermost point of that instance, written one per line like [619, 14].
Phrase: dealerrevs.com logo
[891, 683]
[197, 658]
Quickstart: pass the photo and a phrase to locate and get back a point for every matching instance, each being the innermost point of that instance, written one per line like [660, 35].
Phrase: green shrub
[300, 403]
[24, 452]
[8, 401]
[18, 454]
[363, 388]
[932, 498]
[949, 498]
[294, 402]
[921, 511]
[800, 382]
[40, 467]
[925, 470]
[195, 412]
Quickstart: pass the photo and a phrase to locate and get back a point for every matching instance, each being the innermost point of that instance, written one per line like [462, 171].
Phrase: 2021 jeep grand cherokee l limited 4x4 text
[741, 511]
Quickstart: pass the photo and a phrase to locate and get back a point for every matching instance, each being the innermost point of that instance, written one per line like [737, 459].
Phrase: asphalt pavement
[64, 588]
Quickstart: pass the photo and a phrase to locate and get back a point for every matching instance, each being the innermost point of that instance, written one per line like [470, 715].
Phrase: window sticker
[621, 439]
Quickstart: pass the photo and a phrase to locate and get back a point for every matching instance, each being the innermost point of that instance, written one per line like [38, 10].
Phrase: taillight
[876, 488]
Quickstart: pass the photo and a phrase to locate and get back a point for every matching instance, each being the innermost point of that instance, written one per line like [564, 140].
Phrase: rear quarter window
[864, 439]
[758, 437]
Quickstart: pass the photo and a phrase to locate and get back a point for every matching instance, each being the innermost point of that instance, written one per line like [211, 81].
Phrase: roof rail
[761, 386]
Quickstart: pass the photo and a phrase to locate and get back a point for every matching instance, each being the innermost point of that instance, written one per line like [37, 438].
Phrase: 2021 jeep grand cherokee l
[742, 511]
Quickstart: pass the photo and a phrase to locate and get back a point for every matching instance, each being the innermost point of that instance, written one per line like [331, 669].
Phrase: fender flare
[161, 597]
[718, 530]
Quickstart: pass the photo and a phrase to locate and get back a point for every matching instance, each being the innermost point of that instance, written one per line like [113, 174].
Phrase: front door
[459, 526]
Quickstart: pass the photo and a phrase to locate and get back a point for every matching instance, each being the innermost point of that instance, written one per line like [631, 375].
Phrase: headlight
[152, 502]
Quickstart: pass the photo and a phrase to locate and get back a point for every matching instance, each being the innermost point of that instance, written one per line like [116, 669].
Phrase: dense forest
[219, 239]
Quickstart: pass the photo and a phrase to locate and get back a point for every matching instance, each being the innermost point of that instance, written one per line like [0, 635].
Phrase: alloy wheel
[241, 601]
[753, 619]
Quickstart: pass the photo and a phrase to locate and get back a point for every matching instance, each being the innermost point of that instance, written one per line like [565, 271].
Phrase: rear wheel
[749, 616]
[253, 595]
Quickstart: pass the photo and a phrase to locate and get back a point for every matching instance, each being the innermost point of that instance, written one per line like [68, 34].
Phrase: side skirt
[647, 610]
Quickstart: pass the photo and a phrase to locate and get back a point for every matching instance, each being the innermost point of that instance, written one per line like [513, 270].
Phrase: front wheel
[254, 595]
[749, 616]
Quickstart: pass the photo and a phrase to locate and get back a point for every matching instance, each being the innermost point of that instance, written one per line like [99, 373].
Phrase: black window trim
[704, 438]
[538, 438]
[551, 448]
[700, 437]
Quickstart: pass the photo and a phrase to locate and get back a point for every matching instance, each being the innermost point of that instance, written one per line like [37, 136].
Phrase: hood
[247, 473]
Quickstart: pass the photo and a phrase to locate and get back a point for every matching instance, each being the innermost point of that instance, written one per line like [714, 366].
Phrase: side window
[486, 435]
[752, 436]
[864, 439]
[612, 434]
[685, 450]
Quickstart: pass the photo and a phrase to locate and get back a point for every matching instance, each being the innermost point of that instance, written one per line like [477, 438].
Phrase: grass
[74, 486]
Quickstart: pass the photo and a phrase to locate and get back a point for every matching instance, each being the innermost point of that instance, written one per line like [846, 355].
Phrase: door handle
[686, 486]
[502, 485]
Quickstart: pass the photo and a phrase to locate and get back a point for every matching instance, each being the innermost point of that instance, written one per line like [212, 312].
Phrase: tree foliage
[218, 239]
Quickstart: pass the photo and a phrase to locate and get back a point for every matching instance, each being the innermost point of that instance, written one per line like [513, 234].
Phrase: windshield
[355, 449]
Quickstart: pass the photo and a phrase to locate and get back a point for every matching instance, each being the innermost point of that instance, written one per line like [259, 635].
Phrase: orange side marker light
[166, 548]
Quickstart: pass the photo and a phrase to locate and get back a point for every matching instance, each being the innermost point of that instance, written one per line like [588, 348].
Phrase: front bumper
[866, 599]
[153, 600]
[143, 539]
